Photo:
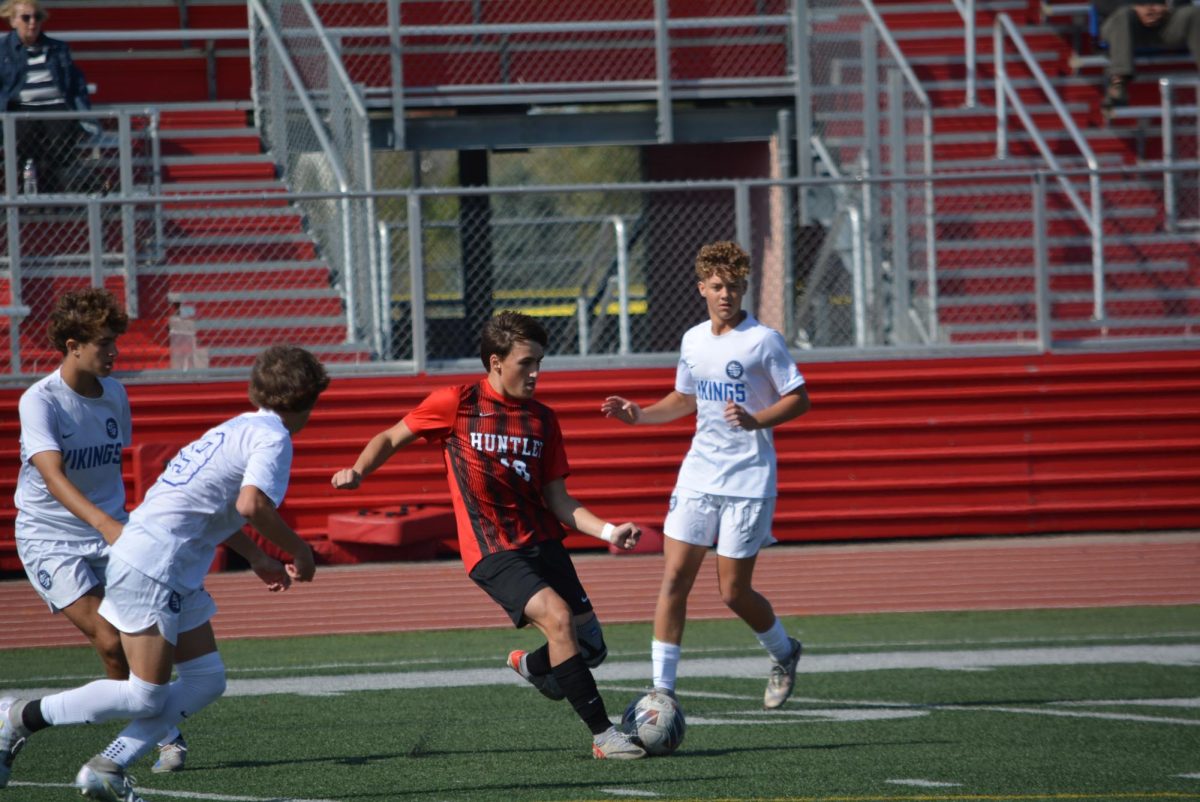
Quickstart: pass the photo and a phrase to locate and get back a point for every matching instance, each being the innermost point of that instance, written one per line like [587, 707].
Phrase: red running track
[974, 574]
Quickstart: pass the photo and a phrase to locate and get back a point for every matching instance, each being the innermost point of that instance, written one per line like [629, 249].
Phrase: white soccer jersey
[191, 509]
[751, 366]
[90, 434]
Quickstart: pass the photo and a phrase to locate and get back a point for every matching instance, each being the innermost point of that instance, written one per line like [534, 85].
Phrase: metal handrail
[330, 152]
[914, 83]
[966, 10]
[1004, 89]
[1167, 86]
[160, 35]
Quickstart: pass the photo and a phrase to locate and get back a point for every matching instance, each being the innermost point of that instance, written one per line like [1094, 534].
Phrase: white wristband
[607, 533]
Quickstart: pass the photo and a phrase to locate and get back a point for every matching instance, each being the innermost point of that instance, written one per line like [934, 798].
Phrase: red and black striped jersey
[500, 453]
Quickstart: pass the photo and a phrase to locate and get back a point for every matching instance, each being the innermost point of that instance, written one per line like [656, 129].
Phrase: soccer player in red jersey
[506, 467]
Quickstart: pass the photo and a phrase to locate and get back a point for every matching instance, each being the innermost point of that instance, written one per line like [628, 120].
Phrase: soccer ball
[656, 719]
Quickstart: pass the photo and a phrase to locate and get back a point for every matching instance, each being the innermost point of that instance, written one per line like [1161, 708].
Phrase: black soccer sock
[537, 662]
[577, 682]
[31, 716]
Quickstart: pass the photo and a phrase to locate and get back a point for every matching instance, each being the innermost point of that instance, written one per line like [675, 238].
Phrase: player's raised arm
[670, 407]
[376, 452]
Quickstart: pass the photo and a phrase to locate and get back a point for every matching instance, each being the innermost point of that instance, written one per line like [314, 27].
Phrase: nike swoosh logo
[486, 414]
[68, 434]
[583, 599]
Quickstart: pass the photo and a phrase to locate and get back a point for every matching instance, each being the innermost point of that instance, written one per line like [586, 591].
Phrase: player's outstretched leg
[104, 780]
[12, 735]
[782, 679]
[613, 744]
[171, 756]
[545, 683]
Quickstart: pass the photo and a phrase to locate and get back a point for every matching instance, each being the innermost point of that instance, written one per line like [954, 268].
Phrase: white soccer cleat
[782, 679]
[12, 736]
[546, 684]
[104, 780]
[613, 744]
[171, 756]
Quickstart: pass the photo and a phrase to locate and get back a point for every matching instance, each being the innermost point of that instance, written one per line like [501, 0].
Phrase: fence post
[788, 226]
[95, 241]
[741, 206]
[662, 61]
[1168, 155]
[397, 64]
[1041, 263]
[128, 231]
[622, 284]
[902, 303]
[416, 275]
[803, 95]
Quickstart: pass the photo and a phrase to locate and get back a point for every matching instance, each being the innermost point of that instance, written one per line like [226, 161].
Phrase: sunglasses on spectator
[27, 18]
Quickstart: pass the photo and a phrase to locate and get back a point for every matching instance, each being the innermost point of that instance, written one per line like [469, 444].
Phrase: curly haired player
[736, 375]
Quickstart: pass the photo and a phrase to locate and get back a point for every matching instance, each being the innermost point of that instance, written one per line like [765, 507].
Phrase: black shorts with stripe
[512, 578]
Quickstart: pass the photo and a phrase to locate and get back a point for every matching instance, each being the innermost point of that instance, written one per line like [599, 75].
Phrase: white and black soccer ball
[656, 720]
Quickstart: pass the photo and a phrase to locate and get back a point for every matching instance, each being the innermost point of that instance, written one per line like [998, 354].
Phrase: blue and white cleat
[782, 679]
[171, 756]
[12, 735]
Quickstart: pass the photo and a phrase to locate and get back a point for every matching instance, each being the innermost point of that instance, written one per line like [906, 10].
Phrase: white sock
[104, 700]
[776, 641]
[665, 657]
[201, 681]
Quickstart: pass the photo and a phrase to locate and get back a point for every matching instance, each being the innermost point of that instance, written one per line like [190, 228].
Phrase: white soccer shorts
[739, 526]
[133, 602]
[62, 571]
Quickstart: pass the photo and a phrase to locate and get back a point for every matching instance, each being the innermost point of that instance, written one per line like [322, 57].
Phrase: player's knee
[734, 595]
[144, 699]
[592, 647]
[205, 677]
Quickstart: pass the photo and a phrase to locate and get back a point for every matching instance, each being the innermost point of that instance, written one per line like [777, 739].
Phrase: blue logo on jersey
[671, 504]
[734, 370]
[44, 579]
[175, 603]
[720, 391]
[82, 459]
[110, 426]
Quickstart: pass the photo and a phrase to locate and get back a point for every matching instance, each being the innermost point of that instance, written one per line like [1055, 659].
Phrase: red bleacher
[905, 448]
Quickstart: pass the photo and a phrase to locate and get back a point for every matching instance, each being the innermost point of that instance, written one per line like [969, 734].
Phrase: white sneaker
[612, 744]
[546, 684]
[104, 780]
[782, 679]
[171, 756]
[12, 735]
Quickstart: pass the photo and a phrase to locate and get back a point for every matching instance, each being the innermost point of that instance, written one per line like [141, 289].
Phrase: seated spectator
[37, 74]
[1144, 24]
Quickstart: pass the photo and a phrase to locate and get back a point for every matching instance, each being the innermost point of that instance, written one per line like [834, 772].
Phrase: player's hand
[622, 409]
[302, 568]
[111, 530]
[626, 536]
[738, 418]
[272, 572]
[347, 479]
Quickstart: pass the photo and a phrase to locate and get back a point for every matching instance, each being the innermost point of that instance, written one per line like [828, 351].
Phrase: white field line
[184, 794]
[924, 783]
[810, 652]
[734, 667]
